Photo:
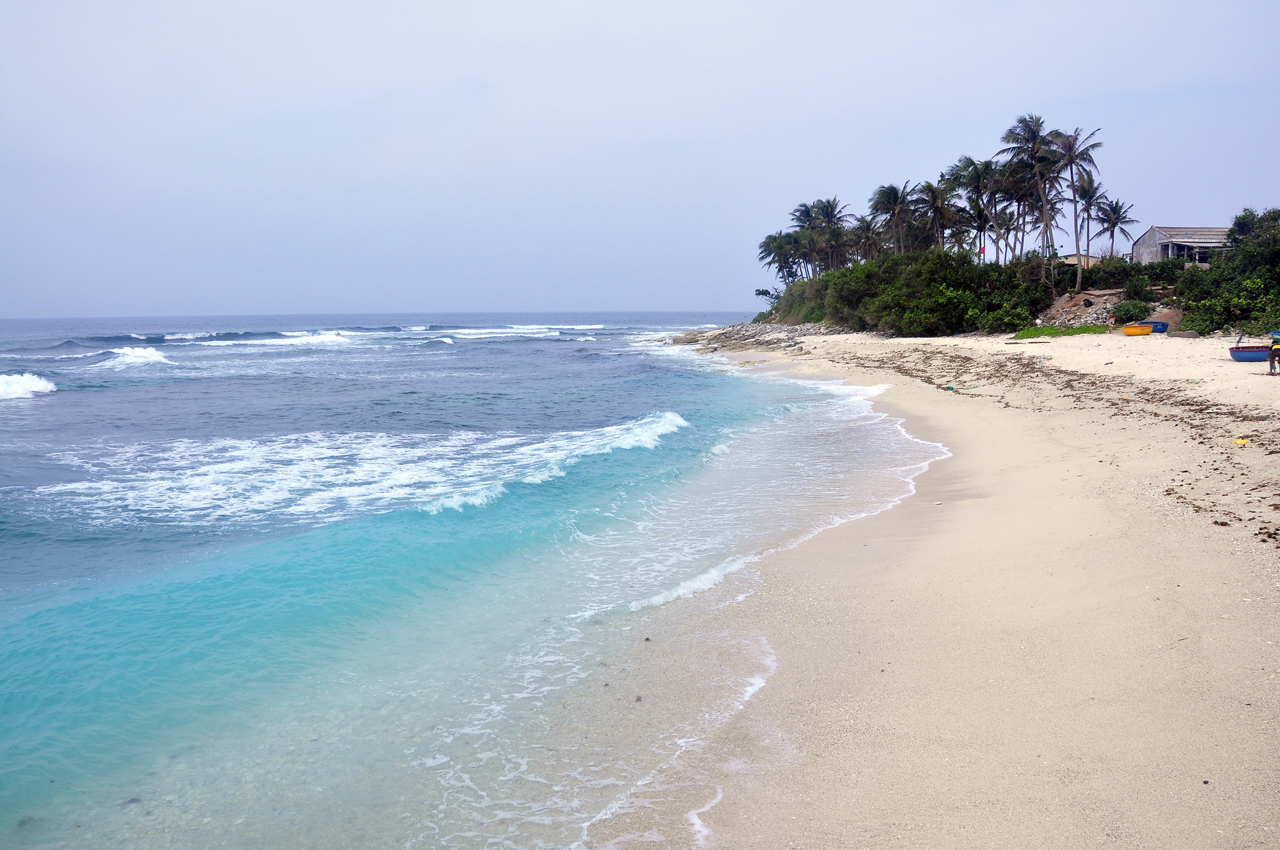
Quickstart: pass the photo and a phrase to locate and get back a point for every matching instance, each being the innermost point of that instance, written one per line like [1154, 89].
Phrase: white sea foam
[561, 327]
[80, 356]
[288, 338]
[699, 583]
[126, 357]
[187, 336]
[323, 477]
[505, 333]
[25, 385]
[457, 501]
[758, 681]
[701, 832]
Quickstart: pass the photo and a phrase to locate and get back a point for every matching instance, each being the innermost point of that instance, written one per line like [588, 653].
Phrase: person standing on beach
[1273, 356]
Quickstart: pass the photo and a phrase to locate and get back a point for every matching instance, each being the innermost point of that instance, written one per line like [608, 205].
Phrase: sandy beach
[1067, 637]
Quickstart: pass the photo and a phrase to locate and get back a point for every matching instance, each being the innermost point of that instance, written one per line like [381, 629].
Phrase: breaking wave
[126, 357]
[324, 477]
[25, 385]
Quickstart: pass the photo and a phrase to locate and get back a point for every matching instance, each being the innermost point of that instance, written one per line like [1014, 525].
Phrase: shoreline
[1067, 636]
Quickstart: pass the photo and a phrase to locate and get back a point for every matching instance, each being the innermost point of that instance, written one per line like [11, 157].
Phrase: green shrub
[816, 313]
[1131, 311]
[1108, 273]
[1138, 288]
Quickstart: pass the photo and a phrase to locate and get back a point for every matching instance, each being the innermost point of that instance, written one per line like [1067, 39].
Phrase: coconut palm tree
[1075, 155]
[1112, 217]
[829, 213]
[893, 203]
[1029, 143]
[1019, 197]
[972, 221]
[837, 246]
[1091, 195]
[1003, 227]
[808, 251]
[934, 204]
[803, 217]
[979, 183]
[776, 252]
[867, 237]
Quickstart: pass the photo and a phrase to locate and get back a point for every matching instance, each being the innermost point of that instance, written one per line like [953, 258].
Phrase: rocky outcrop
[1082, 310]
[756, 336]
[1094, 308]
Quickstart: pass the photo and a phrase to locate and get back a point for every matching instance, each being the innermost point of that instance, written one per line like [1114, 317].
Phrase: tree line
[937, 291]
[1010, 203]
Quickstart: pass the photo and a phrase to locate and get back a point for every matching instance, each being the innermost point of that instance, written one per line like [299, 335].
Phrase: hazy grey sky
[275, 157]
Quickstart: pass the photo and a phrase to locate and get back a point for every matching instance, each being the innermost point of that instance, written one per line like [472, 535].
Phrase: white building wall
[1147, 248]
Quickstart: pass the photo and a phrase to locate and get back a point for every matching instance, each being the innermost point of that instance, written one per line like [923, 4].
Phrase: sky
[270, 157]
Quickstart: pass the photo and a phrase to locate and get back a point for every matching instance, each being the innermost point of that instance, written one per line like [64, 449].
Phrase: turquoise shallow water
[359, 581]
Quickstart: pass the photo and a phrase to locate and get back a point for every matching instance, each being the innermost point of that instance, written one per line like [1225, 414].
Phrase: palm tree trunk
[1075, 216]
[1044, 219]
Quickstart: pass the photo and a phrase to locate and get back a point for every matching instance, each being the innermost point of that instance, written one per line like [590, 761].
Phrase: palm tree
[933, 201]
[1089, 191]
[972, 218]
[894, 204]
[1030, 144]
[807, 249]
[1075, 153]
[1017, 191]
[836, 246]
[866, 236]
[776, 252]
[1113, 216]
[979, 183]
[1003, 227]
[829, 213]
[803, 217]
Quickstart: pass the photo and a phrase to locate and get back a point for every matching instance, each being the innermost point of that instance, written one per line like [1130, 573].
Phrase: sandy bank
[1068, 637]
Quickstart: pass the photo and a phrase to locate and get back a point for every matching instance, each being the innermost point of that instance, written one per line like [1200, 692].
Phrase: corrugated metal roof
[1193, 235]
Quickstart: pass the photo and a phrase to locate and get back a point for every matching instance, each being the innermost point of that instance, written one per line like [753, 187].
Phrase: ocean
[390, 581]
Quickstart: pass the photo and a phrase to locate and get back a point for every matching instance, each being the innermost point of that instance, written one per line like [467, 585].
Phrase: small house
[1193, 244]
[1080, 260]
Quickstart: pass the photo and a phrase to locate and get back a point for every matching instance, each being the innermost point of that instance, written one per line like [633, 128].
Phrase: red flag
[982, 250]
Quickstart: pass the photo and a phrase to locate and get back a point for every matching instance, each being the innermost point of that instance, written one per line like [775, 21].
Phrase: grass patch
[1049, 330]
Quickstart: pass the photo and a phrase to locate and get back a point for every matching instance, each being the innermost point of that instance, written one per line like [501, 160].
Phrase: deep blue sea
[366, 581]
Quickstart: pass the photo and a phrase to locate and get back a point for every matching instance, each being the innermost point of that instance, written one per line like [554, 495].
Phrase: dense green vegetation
[923, 293]
[918, 264]
[1241, 287]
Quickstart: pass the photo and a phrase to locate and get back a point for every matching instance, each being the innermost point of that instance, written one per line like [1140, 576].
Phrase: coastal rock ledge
[746, 335]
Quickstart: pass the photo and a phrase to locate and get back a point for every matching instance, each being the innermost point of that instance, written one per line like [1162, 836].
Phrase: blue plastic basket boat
[1250, 353]
[1161, 327]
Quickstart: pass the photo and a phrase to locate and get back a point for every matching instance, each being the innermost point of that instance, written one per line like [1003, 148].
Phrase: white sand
[1067, 638]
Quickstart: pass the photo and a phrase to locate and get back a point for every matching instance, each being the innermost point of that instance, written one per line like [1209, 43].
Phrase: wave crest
[25, 385]
[127, 356]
